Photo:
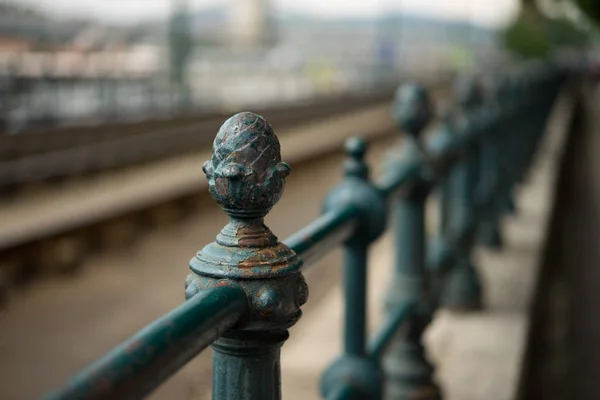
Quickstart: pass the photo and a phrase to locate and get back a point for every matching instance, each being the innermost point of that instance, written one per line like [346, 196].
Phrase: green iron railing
[246, 288]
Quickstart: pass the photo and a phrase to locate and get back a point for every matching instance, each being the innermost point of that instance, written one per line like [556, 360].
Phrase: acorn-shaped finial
[246, 175]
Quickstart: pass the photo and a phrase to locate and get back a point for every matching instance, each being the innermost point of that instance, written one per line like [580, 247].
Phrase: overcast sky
[483, 12]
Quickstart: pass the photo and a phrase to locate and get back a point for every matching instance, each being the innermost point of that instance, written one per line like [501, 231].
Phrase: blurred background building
[58, 68]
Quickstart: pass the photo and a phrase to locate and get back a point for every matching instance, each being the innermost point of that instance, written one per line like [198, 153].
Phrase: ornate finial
[412, 108]
[358, 191]
[443, 137]
[246, 175]
[356, 149]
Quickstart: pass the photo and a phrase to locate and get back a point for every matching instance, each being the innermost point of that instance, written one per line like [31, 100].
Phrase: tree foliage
[532, 35]
[591, 8]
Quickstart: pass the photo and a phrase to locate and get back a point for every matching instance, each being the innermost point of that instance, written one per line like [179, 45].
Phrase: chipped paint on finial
[246, 175]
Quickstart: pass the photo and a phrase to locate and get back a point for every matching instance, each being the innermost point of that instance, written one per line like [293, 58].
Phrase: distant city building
[229, 57]
[250, 25]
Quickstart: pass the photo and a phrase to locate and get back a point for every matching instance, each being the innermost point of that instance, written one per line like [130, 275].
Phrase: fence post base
[361, 374]
[246, 366]
[409, 373]
[462, 289]
[489, 236]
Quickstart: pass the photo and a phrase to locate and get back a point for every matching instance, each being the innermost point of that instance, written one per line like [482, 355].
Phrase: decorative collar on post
[412, 109]
[469, 96]
[412, 112]
[356, 190]
[355, 164]
[246, 177]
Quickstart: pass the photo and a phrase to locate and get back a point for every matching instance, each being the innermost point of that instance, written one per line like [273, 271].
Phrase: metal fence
[246, 288]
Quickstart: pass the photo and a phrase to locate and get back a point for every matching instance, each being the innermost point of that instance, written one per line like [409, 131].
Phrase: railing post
[524, 134]
[246, 177]
[354, 368]
[462, 288]
[535, 109]
[442, 138]
[408, 372]
[513, 139]
[506, 127]
[488, 231]
[439, 257]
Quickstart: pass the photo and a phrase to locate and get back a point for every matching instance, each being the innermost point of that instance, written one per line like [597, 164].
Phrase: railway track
[41, 142]
[27, 159]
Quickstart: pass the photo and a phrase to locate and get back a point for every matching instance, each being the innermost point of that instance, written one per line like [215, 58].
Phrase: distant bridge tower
[251, 24]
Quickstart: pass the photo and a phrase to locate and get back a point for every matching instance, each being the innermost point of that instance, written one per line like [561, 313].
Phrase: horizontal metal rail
[473, 159]
[328, 231]
[140, 364]
[383, 338]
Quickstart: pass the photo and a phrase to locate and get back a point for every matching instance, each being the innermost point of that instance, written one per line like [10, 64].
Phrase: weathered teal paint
[440, 250]
[396, 179]
[488, 232]
[246, 365]
[355, 299]
[345, 392]
[358, 193]
[461, 287]
[143, 362]
[246, 177]
[409, 373]
[328, 231]
[513, 142]
[384, 336]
